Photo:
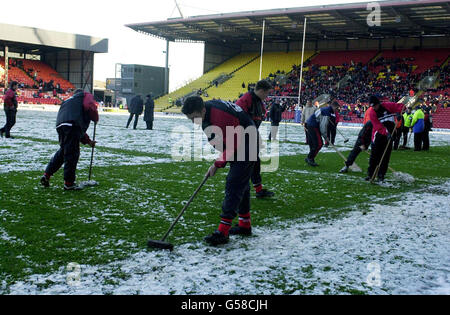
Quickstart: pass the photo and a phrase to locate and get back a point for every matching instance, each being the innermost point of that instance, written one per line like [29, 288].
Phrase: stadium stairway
[232, 65]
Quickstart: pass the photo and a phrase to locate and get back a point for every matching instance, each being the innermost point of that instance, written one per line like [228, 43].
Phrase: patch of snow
[400, 248]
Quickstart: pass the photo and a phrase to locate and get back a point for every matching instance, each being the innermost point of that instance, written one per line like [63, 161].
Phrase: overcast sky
[106, 19]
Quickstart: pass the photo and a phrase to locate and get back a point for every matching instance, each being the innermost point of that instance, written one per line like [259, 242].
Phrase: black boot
[217, 238]
[238, 230]
[45, 181]
[264, 194]
[311, 162]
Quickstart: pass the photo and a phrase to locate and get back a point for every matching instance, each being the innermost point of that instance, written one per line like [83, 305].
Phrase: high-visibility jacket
[408, 118]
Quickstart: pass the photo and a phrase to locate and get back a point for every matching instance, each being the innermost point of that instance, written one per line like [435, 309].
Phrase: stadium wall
[216, 55]
[359, 44]
[77, 66]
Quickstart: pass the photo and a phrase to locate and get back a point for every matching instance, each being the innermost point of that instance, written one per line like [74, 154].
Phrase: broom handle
[92, 154]
[185, 207]
[337, 151]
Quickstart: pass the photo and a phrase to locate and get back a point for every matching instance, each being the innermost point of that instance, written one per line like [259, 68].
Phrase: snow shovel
[91, 183]
[354, 167]
[162, 244]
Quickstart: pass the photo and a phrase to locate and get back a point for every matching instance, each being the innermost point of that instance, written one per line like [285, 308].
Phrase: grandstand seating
[441, 119]
[46, 73]
[16, 74]
[272, 62]
[325, 70]
[423, 59]
[338, 58]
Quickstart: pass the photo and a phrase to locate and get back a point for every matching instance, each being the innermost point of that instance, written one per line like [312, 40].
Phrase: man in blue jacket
[418, 125]
[317, 127]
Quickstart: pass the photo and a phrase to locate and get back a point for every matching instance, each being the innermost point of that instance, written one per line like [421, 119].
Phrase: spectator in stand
[10, 106]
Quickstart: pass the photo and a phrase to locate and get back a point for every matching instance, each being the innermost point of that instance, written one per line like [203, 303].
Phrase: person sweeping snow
[72, 122]
[222, 122]
[252, 104]
[382, 118]
[317, 127]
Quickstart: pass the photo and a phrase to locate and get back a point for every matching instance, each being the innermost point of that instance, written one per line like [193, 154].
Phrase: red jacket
[89, 106]
[378, 127]
[10, 100]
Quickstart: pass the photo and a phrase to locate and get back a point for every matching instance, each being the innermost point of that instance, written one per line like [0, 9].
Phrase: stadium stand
[48, 88]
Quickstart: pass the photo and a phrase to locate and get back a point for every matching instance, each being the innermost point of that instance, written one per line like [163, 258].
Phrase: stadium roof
[34, 40]
[401, 18]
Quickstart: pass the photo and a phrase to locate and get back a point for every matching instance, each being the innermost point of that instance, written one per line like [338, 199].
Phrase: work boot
[381, 178]
[311, 162]
[264, 194]
[73, 186]
[45, 181]
[238, 230]
[344, 170]
[217, 238]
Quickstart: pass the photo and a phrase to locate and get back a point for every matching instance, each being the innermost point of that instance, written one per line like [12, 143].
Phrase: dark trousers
[10, 121]
[418, 138]
[149, 124]
[378, 148]
[68, 153]
[315, 142]
[405, 131]
[331, 134]
[135, 120]
[354, 153]
[237, 190]
[256, 173]
[397, 138]
[426, 140]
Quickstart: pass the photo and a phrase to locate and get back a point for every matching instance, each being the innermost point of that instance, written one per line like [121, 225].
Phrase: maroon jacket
[10, 100]
[222, 115]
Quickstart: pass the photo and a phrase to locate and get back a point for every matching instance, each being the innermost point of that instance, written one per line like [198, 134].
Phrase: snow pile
[403, 248]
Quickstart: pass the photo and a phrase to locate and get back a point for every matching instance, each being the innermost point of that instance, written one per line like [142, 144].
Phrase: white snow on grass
[401, 248]
[25, 154]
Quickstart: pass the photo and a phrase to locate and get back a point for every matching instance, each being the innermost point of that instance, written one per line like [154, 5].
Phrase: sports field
[323, 233]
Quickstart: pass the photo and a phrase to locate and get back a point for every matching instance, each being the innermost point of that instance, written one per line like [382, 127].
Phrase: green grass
[50, 228]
